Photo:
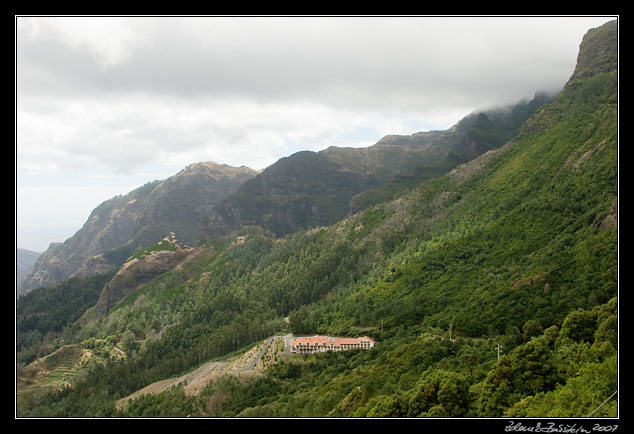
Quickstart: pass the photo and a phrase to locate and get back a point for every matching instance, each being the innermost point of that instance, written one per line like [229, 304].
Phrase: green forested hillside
[492, 291]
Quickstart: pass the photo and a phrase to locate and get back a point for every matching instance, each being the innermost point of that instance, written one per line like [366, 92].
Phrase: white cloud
[126, 133]
[130, 95]
[108, 40]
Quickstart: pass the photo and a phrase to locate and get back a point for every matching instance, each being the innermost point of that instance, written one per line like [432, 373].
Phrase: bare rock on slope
[141, 269]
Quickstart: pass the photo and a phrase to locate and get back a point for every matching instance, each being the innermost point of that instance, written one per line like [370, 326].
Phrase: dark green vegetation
[44, 315]
[514, 251]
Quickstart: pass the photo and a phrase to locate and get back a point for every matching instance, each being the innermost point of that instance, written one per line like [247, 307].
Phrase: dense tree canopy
[514, 254]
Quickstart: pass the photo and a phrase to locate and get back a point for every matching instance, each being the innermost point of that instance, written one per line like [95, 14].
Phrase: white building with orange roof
[320, 344]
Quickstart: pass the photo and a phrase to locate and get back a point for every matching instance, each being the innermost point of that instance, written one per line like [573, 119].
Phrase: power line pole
[498, 348]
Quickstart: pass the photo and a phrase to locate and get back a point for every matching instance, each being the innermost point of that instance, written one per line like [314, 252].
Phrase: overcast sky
[106, 104]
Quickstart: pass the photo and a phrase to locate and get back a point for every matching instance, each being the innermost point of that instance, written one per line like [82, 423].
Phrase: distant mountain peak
[598, 51]
[214, 169]
[123, 224]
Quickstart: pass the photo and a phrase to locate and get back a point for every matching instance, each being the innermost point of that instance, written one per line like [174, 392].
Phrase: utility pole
[498, 348]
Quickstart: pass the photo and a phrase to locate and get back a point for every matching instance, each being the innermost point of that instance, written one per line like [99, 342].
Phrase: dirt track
[196, 380]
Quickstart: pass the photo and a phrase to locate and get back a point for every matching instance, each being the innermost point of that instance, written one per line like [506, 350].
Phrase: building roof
[346, 341]
[325, 340]
[314, 340]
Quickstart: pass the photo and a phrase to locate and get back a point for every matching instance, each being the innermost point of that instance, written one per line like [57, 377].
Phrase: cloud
[128, 91]
[126, 133]
[109, 41]
[123, 96]
[343, 61]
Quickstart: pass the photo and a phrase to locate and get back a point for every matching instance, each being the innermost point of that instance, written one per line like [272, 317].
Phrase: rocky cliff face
[156, 260]
[120, 226]
[598, 51]
[301, 190]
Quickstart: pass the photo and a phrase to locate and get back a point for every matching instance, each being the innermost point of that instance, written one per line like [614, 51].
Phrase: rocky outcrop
[609, 221]
[598, 51]
[120, 226]
[141, 269]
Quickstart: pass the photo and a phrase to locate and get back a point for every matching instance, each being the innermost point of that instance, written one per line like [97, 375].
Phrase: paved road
[287, 343]
[258, 356]
[287, 350]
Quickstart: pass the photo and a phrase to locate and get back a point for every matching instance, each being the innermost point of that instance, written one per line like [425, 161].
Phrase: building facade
[321, 344]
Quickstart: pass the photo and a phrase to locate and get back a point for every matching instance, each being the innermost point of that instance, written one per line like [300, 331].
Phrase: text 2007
[606, 428]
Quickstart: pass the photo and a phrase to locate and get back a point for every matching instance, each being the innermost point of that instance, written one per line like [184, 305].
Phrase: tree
[389, 406]
[579, 326]
[469, 358]
[439, 393]
[531, 328]
[497, 390]
[608, 331]
[533, 367]
[128, 341]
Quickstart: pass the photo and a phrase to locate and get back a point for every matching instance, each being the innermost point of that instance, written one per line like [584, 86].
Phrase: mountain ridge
[206, 200]
[321, 189]
[515, 250]
[119, 226]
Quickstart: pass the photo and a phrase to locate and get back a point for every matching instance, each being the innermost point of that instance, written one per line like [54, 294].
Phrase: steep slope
[473, 135]
[141, 268]
[123, 224]
[24, 261]
[598, 52]
[207, 200]
[424, 156]
[515, 250]
[524, 231]
[298, 191]
[316, 189]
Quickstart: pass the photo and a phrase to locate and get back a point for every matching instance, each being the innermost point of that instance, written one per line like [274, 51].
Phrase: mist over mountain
[483, 260]
[319, 188]
[207, 200]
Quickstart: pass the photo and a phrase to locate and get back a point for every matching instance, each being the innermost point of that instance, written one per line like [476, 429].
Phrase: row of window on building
[320, 344]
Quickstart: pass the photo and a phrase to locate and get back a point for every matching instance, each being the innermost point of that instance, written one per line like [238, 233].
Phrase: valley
[484, 260]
